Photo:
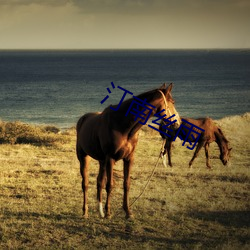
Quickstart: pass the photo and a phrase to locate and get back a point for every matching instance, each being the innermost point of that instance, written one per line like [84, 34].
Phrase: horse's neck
[128, 123]
[134, 129]
[221, 141]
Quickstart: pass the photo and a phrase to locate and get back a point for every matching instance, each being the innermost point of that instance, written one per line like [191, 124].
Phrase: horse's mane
[220, 136]
[223, 136]
[146, 95]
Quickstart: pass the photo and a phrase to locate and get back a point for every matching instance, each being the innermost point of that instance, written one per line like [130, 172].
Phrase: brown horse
[212, 133]
[112, 135]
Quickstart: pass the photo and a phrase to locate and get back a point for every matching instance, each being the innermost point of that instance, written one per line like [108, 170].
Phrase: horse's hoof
[85, 216]
[130, 216]
[108, 216]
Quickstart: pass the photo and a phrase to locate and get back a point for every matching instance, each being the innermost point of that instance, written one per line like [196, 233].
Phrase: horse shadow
[237, 219]
[93, 229]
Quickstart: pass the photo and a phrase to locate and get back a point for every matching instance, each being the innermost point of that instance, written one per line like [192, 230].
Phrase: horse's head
[225, 156]
[224, 147]
[167, 103]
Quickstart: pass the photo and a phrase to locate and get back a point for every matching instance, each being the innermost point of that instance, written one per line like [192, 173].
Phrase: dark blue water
[57, 87]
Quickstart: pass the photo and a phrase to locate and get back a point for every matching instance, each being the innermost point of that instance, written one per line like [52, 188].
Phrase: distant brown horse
[212, 133]
[110, 136]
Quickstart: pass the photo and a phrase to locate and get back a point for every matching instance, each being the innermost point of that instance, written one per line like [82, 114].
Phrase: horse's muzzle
[176, 125]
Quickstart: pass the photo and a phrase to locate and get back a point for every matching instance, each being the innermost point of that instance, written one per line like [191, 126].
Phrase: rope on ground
[149, 179]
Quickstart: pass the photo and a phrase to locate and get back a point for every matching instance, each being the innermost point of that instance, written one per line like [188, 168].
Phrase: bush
[52, 129]
[21, 133]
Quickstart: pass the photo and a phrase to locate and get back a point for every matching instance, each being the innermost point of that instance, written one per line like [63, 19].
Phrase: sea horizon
[58, 86]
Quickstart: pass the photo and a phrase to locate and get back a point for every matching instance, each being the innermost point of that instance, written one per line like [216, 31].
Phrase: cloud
[42, 26]
[130, 7]
[140, 6]
[17, 3]
[124, 23]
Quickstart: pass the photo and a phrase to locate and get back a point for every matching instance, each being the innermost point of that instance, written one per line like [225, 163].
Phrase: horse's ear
[163, 86]
[169, 88]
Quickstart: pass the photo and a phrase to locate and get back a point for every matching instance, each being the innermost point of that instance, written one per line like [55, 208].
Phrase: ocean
[57, 87]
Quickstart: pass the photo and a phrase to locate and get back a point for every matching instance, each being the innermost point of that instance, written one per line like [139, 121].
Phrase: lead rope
[157, 162]
[149, 178]
[151, 175]
[168, 109]
[166, 103]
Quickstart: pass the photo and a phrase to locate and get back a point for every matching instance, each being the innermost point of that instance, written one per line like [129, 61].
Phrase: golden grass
[21, 133]
[41, 198]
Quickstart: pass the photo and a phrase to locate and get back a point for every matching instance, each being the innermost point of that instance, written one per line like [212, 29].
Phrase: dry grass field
[182, 208]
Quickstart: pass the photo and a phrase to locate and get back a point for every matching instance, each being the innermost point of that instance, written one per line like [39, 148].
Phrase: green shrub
[52, 129]
[21, 133]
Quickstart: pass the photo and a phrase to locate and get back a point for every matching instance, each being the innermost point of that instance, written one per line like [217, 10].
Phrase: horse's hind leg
[100, 185]
[126, 186]
[84, 169]
[197, 150]
[207, 155]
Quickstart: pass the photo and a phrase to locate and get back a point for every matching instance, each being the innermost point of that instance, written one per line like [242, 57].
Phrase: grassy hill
[41, 197]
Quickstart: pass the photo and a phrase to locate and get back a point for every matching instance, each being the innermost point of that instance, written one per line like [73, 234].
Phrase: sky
[124, 24]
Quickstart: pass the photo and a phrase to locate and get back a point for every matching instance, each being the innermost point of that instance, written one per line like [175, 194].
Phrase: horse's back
[204, 123]
[85, 118]
[89, 128]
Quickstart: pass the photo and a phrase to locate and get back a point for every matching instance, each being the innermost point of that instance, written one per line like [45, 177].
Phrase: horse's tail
[82, 119]
[79, 123]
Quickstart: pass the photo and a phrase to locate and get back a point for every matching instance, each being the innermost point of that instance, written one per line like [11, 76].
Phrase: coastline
[71, 126]
[41, 197]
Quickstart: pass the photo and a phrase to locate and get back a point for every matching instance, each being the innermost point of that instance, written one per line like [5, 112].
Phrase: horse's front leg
[197, 150]
[163, 152]
[168, 146]
[84, 169]
[100, 185]
[207, 155]
[110, 183]
[126, 185]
